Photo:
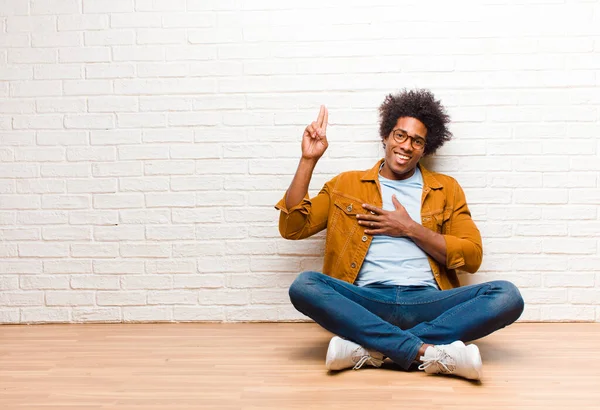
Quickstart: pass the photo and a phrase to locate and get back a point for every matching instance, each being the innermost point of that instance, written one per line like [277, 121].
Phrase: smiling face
[401, 159]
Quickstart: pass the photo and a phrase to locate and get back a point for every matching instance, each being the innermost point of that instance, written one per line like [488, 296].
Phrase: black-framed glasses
[400, 136]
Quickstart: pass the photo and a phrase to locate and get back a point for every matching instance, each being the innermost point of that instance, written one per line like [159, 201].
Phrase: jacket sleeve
[464, 249]
[308, 217]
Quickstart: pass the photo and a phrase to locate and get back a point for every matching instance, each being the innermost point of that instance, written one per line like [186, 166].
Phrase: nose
[406, 145]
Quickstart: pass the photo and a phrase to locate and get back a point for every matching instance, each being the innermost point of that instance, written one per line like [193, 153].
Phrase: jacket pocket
[344, 217]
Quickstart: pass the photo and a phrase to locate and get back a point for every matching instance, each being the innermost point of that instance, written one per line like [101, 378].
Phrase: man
[395, 236]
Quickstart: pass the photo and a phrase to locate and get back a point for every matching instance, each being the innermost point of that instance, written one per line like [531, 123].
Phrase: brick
[197, 313]
[220, 231]
[565, 313]
[10, 8]
[19, 170]
[95, 250]
[89, 121]
[120, 298]
[92, 186]
[37, 88]
[112, 104]
[66, 170]
[19, 201]
[38, 122]
[135, 20]
[96, 282]
[143, 152]
[196, 183]
[61, 105]
[43, 250]
[76, 233]
[68, 267]
[170, 266]
[147, 184]
[7, 186]
[141, 120]
[109, 37]
[589, 228]
[50, 201]
[44, 315]
[160, 5]
[82, 22]
[15, 72]
[62, 39]
[197, 249]
[40, 186]
[133, 250]
[172, 86]
[170, 233]
[173, 200]
[189, 20]
[198, 281]
[95, 217]
[161, 36]
[168, 135]
[187, 216]
[20, 234]
[571, 279]
[269, 296]
[219, 167]
[118, 201]
[146, 314]
[251, 313]
[107, 6]
[142, 282]
[110, 71]
[223, 265]
[234, 199]
[9, 282]
[42, 217]
[162, 70]
[158, 216]
[20, 267]
[118, 233]
[169, 167]
[120, 169]
[87, 87]
[64, 137]
[115, 137]
[101, 315]
[18, 138]
[118, 267]
[138, 53]
[84, 55]
[195, 151]
[216, 297]
[172, 297]
[30, 24]
[8, 251]
[93, 154]
[53, 7]
[69, 298]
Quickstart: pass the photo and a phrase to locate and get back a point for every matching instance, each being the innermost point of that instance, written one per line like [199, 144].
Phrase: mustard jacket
[443, 210]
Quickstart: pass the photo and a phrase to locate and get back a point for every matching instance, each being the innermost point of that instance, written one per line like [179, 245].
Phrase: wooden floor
[280, 366]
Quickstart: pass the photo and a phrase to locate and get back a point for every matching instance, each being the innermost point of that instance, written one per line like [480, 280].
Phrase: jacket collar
[429, 178]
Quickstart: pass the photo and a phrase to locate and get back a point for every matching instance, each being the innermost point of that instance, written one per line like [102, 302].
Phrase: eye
[419, 142]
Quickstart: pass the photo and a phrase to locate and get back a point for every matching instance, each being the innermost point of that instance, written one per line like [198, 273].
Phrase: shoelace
[362, 359]
[443, 360]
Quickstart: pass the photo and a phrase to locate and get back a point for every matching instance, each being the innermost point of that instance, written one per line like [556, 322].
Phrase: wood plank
[280, 366]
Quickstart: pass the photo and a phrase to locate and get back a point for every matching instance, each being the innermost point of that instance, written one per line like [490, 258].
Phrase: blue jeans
[397, 320]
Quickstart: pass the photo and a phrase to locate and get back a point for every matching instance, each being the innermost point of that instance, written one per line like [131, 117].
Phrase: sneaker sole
[475, 360]
[332, 352]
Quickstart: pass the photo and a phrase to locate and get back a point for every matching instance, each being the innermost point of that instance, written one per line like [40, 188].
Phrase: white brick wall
[144, 142]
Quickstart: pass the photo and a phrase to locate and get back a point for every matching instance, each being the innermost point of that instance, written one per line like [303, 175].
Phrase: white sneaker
[455, 358]
[343, 354]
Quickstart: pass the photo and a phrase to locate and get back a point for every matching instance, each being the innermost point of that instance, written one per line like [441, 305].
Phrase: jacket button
[364, 238]
[353, 265]
[349, 208]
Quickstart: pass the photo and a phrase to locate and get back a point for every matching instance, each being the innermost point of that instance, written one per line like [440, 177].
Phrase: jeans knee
[511, 300]
[299, 289]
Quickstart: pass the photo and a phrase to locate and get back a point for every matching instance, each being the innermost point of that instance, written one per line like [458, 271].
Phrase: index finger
[321, 116]
[373, 209]
[325, 119]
